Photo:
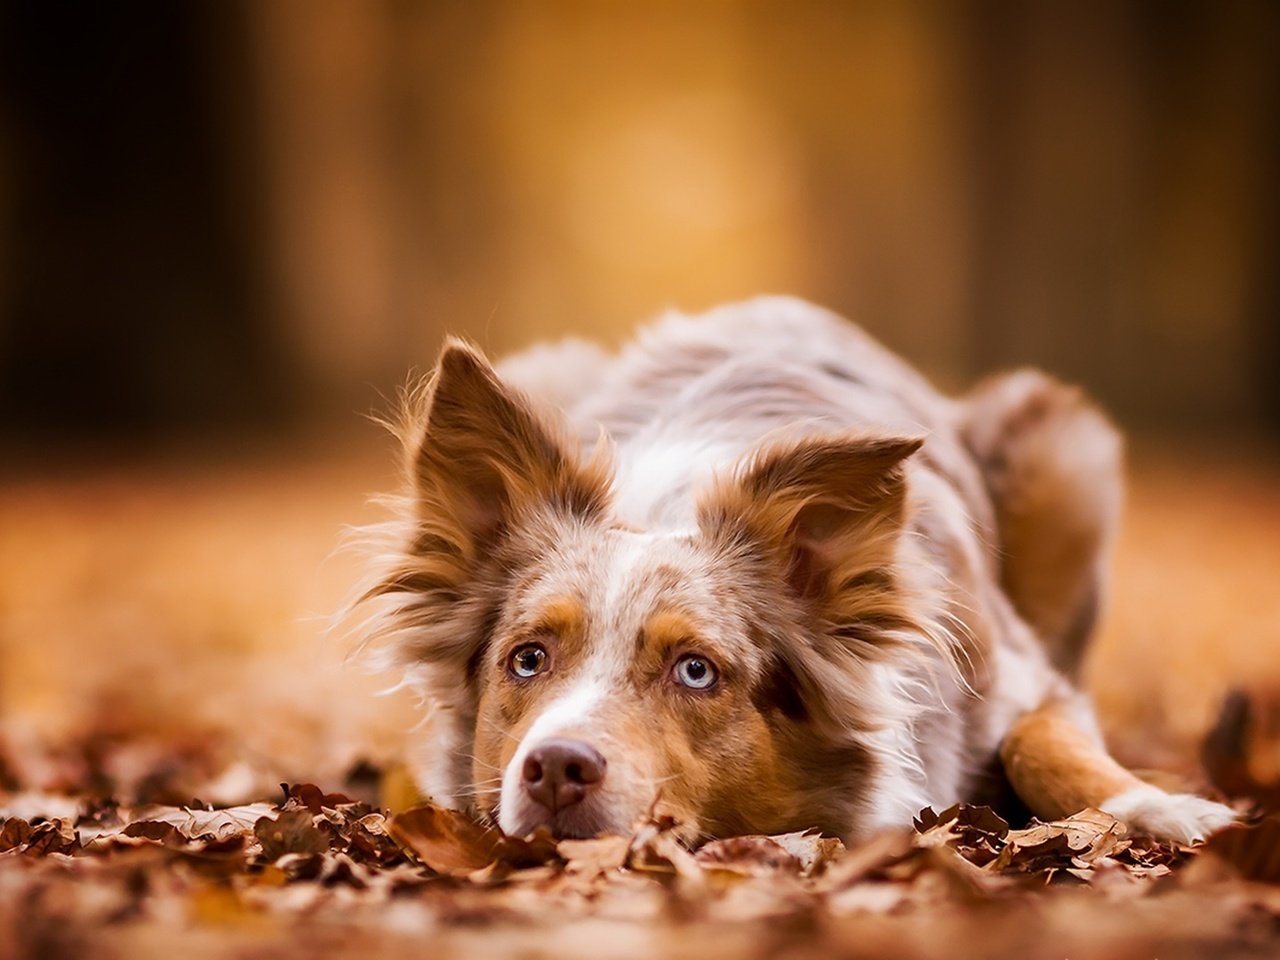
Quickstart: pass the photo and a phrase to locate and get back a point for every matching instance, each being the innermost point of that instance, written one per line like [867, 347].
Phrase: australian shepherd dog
[754, 572]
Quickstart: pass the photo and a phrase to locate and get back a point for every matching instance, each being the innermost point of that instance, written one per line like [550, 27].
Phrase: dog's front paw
[1180, 817]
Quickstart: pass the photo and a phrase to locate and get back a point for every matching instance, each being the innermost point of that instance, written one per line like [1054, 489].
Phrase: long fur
[890, 579]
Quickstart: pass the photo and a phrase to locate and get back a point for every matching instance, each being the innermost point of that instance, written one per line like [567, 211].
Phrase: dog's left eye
[528, 661]
[696, 673]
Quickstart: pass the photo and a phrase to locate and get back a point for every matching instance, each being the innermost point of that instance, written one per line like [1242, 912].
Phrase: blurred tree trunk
[1124, 162]
[133, 296]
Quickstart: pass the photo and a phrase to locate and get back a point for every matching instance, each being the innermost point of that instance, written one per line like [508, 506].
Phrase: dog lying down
[754, 569]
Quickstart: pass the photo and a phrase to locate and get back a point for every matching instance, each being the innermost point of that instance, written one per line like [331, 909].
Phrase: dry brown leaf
[292, 831]
[165, 834]
[447, 841]
[655, 849]
[368, 841]
[813, 850]
[977, 832]
[1067, 846]
[869, 859]
[749, 856]
[14, 833]
[51, 836]
[219, 824]
[311, 797]
[595, 856]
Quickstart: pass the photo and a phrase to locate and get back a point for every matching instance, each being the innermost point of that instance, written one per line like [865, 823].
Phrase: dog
[754, 572]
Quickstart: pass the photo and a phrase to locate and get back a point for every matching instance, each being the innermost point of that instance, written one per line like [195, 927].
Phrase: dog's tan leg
[1059, 768]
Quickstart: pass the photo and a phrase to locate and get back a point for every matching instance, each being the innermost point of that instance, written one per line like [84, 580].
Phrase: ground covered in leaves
[159, 677]
[319, 874]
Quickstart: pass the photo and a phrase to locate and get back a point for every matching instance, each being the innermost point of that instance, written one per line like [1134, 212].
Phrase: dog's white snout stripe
[570, 711]
[601, 672]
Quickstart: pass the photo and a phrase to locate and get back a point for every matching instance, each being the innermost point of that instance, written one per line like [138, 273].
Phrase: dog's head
[583, 670]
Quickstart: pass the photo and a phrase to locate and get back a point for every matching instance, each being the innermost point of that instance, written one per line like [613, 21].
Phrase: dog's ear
[484, 456]
[828, 509]
[825, 515]
[479, 459]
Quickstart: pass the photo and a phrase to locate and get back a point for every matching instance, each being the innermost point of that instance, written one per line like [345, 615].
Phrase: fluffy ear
[828, 510]
[484, 456]
[480, 459]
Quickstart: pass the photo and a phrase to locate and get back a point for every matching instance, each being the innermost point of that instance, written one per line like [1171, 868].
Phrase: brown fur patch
[561, 616]
[668, 629]
[1057, 768]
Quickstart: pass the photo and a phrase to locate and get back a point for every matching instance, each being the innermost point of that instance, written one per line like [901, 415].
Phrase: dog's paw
[1180, 817]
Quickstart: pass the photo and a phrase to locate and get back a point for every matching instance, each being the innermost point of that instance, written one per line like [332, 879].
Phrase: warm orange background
[227, 230]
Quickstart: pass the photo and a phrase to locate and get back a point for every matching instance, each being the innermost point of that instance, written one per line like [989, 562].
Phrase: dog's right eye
[527, 661]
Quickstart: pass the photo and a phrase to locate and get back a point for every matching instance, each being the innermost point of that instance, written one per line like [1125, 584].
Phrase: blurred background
[228, 229]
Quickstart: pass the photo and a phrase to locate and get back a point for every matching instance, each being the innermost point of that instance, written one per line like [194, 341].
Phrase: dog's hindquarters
[1052, 466]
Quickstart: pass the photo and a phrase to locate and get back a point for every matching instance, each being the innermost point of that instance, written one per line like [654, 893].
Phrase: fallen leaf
[1071, 844]
[51, 836]
[978, 832]
[15, 833]
[655, 848]
[447, 841]
[161, 832]
[595, 856]
[292, 831]
[311, 797]
[368, 841]
[216, 823]
[751, 856]
[869, 859]
[813, 850]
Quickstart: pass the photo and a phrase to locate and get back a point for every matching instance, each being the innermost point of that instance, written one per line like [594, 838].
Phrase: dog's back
[1035, 467]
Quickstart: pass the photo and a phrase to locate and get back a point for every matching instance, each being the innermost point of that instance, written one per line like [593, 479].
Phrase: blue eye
[695, 672]
[527, 661]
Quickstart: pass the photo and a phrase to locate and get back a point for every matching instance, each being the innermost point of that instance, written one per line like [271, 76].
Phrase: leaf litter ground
[319, 874]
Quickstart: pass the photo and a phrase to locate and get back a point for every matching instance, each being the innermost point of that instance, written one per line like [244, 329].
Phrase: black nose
[559, 772]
